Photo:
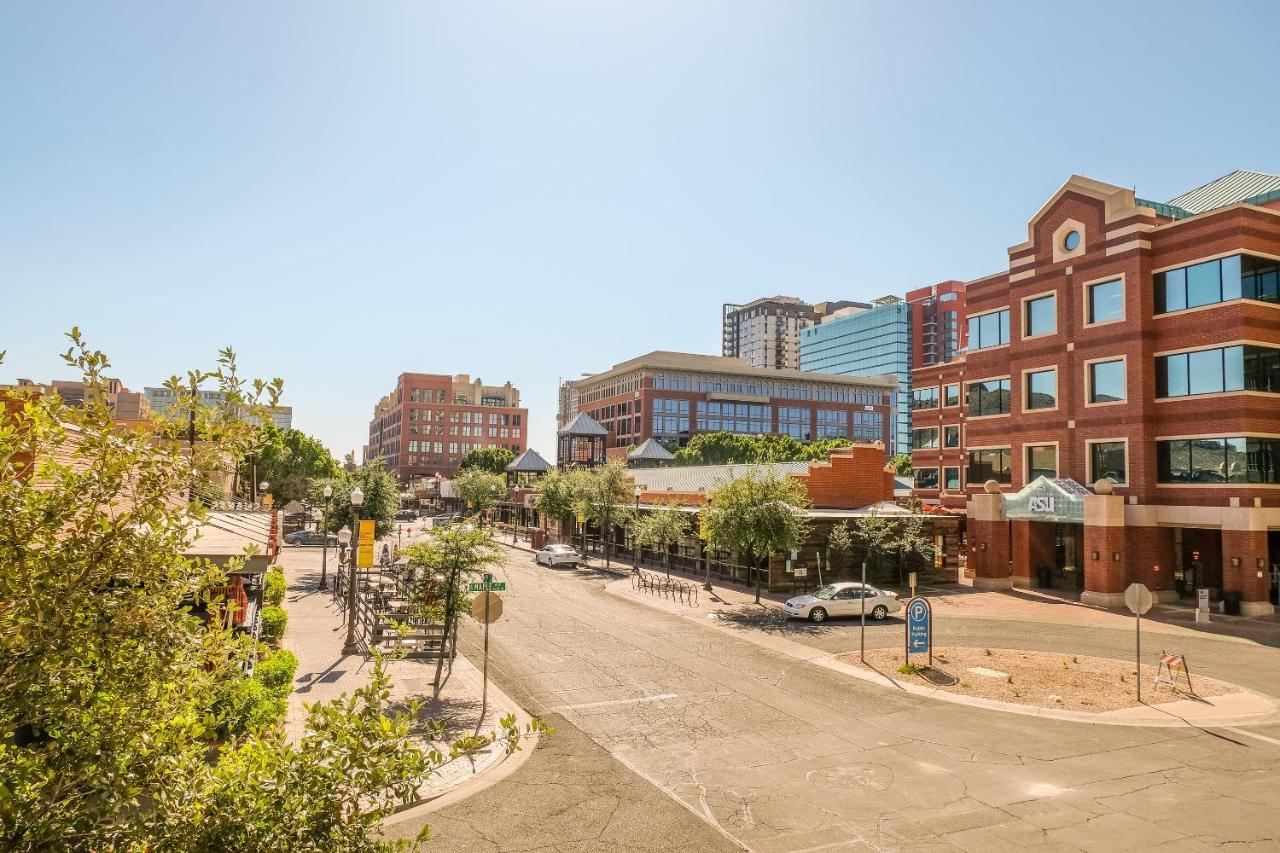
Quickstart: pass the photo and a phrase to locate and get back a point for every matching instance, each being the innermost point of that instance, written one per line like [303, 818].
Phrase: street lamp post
[324, 532]
[344, 540]
[350, 647]
[635, 543]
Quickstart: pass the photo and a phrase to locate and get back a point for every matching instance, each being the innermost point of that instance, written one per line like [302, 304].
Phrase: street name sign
[487, 585]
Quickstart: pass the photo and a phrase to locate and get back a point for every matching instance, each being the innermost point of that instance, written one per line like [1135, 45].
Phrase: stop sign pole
[1138, 599]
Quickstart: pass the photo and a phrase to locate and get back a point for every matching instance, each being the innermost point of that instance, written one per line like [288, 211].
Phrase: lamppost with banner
[324, 532]
[350, 647]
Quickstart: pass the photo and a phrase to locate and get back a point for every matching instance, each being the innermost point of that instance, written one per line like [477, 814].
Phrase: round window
[1072, 241]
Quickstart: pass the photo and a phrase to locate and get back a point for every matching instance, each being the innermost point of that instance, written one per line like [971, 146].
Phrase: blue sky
[346, 191]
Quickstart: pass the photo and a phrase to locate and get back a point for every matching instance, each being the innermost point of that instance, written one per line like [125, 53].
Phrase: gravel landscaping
[1042, 679]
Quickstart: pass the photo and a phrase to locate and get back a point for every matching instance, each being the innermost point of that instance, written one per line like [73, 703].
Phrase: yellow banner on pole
[364, 548]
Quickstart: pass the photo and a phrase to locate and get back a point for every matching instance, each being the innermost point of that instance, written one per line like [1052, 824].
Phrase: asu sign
[1042, 503]
[1046, 499]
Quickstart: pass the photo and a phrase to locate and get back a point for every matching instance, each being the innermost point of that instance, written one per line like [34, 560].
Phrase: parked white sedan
[557, 555]
[843, 599]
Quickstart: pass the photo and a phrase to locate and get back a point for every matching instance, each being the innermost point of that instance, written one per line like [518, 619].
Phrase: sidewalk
[315, 634]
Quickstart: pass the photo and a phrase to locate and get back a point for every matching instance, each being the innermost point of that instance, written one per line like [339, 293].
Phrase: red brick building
[1134, 342]
[430, 421]
[672, 396]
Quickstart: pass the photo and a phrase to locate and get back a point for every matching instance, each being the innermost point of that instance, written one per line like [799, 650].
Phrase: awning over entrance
[1046, 499]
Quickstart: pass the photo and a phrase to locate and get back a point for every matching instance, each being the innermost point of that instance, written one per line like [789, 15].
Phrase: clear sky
[527, 191]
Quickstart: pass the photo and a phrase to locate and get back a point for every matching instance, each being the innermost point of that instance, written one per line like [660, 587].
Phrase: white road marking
[1269, 740]
[655, 698]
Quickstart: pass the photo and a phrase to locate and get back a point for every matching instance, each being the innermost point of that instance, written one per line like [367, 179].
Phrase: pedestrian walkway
[316, 634]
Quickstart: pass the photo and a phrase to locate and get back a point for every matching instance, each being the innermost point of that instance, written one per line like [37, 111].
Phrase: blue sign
[918, 626]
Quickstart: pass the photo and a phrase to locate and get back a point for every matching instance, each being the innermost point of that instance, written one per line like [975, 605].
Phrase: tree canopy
[901, 463]
[758, 514]
[288, 460]
[381, 497]
[492, 459]
[480, 488]
[662, 527]
[727, 448]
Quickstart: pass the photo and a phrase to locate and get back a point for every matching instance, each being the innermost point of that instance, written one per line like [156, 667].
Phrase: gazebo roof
[651, 451]
[529, 462]
[584, 425]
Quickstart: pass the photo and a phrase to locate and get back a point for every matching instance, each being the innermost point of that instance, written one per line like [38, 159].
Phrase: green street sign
[487, 586]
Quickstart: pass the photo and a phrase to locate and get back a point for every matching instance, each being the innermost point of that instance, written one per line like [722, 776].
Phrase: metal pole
[324, 553]
[862, 631]
[1138, 662]
[484, 687]
[350, 647]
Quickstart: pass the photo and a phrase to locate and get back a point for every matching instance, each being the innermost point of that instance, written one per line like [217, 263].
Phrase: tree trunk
[753, 560]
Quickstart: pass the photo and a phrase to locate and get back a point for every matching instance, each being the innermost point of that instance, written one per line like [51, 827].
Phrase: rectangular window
[1107, 459]
[1218, 460]
[867, 426]
[1042, 389]
[924, 439]
[794, 421]
[990, 397]
[832, 423]
[951, 395]
[990, 464]
[1042, 461]
[1106, 302]
[989, 330]
[1041, 316]
[951, 478]
[1220, 280]
[1106, 381]
[1235, 368]
[951, 435]
[926, 478]
[924, 398]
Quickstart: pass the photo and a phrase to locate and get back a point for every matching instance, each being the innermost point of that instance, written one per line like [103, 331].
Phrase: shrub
[274, 620]
[248, 706]
[911, 669]
[276, 671]
[275, 587]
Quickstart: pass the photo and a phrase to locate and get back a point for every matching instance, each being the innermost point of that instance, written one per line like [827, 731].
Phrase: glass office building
[870, 342]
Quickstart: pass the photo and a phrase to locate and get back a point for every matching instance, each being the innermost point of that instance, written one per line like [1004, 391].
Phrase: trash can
[1231, 602]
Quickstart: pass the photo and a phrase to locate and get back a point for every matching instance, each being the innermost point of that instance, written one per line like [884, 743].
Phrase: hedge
[276, 670]
[275, 587]
[274, 620]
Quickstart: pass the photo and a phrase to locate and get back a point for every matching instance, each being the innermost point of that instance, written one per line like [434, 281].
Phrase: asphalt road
[662, 721]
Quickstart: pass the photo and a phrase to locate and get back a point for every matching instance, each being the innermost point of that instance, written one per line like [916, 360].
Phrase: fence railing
[384, 617]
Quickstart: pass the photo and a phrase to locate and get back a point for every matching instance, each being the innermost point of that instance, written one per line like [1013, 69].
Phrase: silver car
[558, 555]
[843, 599]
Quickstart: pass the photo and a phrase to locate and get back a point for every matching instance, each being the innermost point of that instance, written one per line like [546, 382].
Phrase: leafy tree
[901, 463]
[288, 460]
[555, 494]
[603, 494]
[442, 565]
[661, 528]
[492, 459]
[381, 497]
[839, 547]
[757, 514]
[899, 539]
[479, 488]
[110, 685]
[726, 448]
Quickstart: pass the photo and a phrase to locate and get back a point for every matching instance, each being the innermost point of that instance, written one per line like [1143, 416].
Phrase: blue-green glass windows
[1106, 381]
[670, 417]
[1218, 460]
[951, 478]
[989, 330]
[1041, 316]
[950, 395]
[1042, 389]
[832, 423]
[951, 435]
[794, 421]
[1219, 280]
[1107, 460]
[990, 464]
[868, 426]
[924, 439]
[715, 416]
[990, 397]
[924, 398]
[1106, 301]
[1234, 368]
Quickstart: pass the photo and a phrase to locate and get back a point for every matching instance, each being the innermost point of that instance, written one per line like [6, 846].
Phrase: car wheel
[294, 542]
[879, 612]
[817, 614]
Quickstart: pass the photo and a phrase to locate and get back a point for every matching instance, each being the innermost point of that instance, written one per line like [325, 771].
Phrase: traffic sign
[1138, 598]
[918, 626]
[487, 584]
[487, 607]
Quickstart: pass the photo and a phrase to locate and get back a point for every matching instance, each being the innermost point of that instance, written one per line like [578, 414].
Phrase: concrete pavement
[782, 755]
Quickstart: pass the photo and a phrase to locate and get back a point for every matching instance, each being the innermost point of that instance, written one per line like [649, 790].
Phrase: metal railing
[666, 587]
[385, 619]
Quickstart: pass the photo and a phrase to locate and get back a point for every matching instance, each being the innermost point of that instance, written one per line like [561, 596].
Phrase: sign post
[1138, 599]
[919, 629]
[486, 607]
[862, 630]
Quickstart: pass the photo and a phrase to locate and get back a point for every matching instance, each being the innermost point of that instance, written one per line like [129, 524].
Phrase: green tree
[381, 497]
[492, 459]
[901, 464]
[886, 539]
[443, 564]
[288, 460]
[757, 514]
[661, 528]
[109, 684]
[726, 448]
[839, 547]
[555, 494]
[479, 488]
[603, 494]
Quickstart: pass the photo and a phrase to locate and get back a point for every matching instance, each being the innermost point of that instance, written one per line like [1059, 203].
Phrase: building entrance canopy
[1047, 499]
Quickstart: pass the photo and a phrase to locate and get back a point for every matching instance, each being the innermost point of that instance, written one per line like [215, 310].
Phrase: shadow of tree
[771, 620]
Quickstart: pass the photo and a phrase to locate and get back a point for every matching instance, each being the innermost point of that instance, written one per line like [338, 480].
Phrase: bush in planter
[275, 587]
[248, 706]
[276, 671]
[274, 620]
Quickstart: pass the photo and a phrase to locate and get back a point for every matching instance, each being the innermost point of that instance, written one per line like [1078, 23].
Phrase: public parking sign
[918, 626]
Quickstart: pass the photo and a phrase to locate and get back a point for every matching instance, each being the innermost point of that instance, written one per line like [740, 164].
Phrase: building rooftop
[1238, 186]
[650, 450]
[664, 360]
[529, 462]
[583, 424]
[691, 478]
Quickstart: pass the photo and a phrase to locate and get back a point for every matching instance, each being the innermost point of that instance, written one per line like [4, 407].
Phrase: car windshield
[825, 593]
[560, 549]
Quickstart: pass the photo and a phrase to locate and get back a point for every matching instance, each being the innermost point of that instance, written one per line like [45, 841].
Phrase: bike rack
[655, 584]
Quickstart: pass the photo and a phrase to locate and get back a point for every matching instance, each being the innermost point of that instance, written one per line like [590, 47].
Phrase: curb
[486, 778]
[827, 660]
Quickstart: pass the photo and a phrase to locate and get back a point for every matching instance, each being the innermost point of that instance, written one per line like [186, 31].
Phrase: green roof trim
[1162, 209]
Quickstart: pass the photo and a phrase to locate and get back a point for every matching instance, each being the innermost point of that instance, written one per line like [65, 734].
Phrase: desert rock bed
[1042, 679]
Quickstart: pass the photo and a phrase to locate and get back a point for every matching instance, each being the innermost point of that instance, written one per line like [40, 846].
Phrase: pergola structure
[650, 454]
[526, 467]
[581, 443]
